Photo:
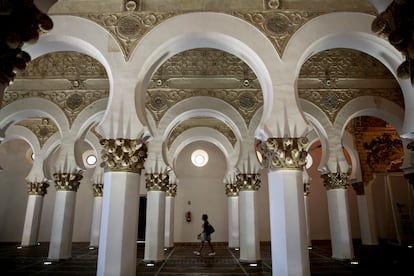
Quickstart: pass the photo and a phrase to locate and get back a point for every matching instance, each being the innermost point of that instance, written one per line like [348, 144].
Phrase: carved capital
[232, 189]
[248, 181]
[157, 181]
[97, 189]
[284, 153]
[123, 155]
[171, 190]
[306, 188]
[37, 188]
[67, 181]
[359, 188]
[337, 180]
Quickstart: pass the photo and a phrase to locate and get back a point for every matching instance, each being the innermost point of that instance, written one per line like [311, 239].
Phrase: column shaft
[169, 222]
[308, 232]
[62, 229]
[233, 215]
[290, 255]
[119, 225]
[155, 226]
[249, 227]
[96, 221]
[32, 220]
[339, 220]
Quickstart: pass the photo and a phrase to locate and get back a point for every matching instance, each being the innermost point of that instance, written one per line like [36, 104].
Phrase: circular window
[309, 161]
[199, 158]
[91, 160]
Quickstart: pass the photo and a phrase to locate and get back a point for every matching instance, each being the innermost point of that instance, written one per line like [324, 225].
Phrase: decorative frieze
[157, 181]
[359, 188]
[37, 188]
[123, 155]
[278, 25]
[248, 181]
[67, 181]
[129, 27]
[171, 190]
[284, 153]
[97, 189]
[336, 180]
[233, 189]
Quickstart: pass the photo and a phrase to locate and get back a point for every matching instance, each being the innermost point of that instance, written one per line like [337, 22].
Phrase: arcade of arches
[299, 108]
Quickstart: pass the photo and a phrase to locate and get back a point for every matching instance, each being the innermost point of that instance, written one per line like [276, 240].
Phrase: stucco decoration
[43, 128]
[336, 180]
[284, 153]
[97, 189]
[232, 189]
[157, 181]
[171, 190]
[123, 155]
[248, 181]
[37, 188]
[67, 181]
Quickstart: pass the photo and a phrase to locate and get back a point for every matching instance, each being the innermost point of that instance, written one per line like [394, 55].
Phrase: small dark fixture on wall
[188, 216]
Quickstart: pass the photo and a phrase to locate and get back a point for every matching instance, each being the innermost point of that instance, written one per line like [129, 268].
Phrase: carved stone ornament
[284, 153]
[157, 181]
[171, 190]
[37, 188]
[67, 181]
[359, 188]
[123, 155]
[97, 189]
[248, 181]
[337, 180]
[232, 189]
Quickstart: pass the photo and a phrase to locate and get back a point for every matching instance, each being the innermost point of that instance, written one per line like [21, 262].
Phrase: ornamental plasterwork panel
[128, 27]
[343, 63]
[63, 65]
[72, 102]
[204, 63]
[278, 25]
[43, 128]
[331, 101]
[202, 122]
[247, 102]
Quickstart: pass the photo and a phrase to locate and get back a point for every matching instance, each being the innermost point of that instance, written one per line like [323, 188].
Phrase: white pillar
[340, 225]
[366, 214]
[96, 221]
[233, 215]
[62, 226]
[155, 226]
[308, 233]
[290, 255]
[32, 220]
[119, 225]
[169, 222]
[249, 227]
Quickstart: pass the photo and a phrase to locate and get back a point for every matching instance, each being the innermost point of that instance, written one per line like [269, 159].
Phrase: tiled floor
[384, 259]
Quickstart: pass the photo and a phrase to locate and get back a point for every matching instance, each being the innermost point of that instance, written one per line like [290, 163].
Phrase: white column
[32, 220]
[340, 225]
[96, 221]
[62, 226]
[119, 225]
[155, 226]
[169, 222]
[233, 216]
[249, 227]
[366, 214]
[308, 233]
[290, 255]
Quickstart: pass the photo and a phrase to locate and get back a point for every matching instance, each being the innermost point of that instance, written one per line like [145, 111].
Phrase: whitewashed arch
[207, 135]
[89, 116]
[348, 142]
[370, 106]
[188, 31]
[23, 133]
[33, 107]
[329, 31]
